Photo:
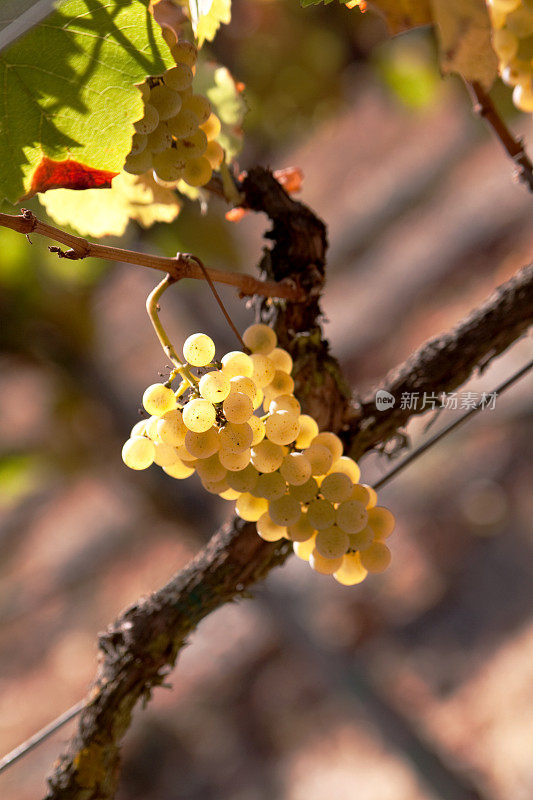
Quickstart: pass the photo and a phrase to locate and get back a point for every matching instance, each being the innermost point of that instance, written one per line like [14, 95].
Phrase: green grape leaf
[207, 16]
[68, 95]
[218, 84]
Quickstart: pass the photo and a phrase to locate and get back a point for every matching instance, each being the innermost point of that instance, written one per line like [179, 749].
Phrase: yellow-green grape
[308, 429]
[331, 441]
[185, 456]
[138, 143]
[199, 415]
[138, 452]
[240, 383]
[351, 570]
[199, 105]
[199, 349]
[214, 152]
[373, 495]
[179, 470]
[168, 164]
[319, 456]
[263, 369]
[165, 454]
[282, 428]
[151, 428]
[216, 487]
[237, 363]
[295, 469]
[281, 359]
[523, 96]
[260, 338]
[321, 514]
[193, 146]
[211, 127]
[149, 121]
[284, 510]
[325, 566]
[235, 438]
[331, 542]
[171, 428]
[382, 521]
[304, 549]
[166, 102]
[361, 540]
[336, 487]
[138, 164]
[258, 430]
[202, 445]
[286, 402]
[505, 44]
[267, 456]
[512, 75]
[268, 530]
[301, 530]
[184, 52]
[250, 508]
[376, 558]
[348, 466]
[244, 480]
[306, 492]
[178, 78]
[139, 428]
[270, 485]
[197, 171]
[360, 493]
[234, 461]
[158, 399]
[237, 407]
[351, 516]
[210, 469]
[214, 386]
[160, 139]
[281, 383]
[183, 124]
[230, 494]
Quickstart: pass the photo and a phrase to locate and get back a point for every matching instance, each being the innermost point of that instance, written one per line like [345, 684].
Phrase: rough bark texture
[141, 646]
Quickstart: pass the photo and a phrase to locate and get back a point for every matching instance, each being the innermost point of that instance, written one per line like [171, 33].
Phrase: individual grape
[199, 105]
[214, 386]
[160, 139]
[351, 516]
[197, 171]
[171, 429]
[523, 96]
[138, 164]
[361, 540]
[199, 415]
[282, 428]
[193, 146]
[258, 430]
[202, 445]
[505, 44]
[351, 570]
[270, 485]
[236, 363]
[320, 458]
[376, 558]
[303, 550]
[373, 496]
[382, 521]
[331, 441]
[138, 143]
[184, 52]
[321, 514]
[281, 383]
[308, 429]
[166, 102]
[149, 121]
[216, 487]
[158, 399]
[250, 508]
[511, 75]
[183, 124]
[235, 438]
[284, 510]
[185, 456]
[240, 383]
[179, 77]
[168, 164]
[263, 369]
[244, 480]
[260, 338]
[214, 152]
[179, 470]
[331, 542]
[267, 456]
[210, 469]
[361, 494]
[306, 492]
[138, 452]
[165, 454]
[336, 487]
[268, 530]
[296, 469]
[237, 407]
[301, 530]
[139, 428]
[229, 494]
[151, 428]
[281, 359]
[348, 466]
[199, 349]
[234, 462]
[325, 566]
[211, 127]
[286, 402]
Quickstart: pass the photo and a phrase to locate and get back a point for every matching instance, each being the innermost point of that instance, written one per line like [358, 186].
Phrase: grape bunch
[512, 24]
[283, 474]
[176, 137]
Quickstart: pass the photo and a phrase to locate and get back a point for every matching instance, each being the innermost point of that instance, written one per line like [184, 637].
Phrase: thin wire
[72, 712]
[219, 301]
[26, 21]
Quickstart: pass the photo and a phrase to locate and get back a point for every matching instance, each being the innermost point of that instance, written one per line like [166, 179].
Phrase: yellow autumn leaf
[401, 15]
[106, 212]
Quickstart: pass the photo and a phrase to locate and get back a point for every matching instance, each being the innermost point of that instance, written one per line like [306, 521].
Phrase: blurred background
[418, 684]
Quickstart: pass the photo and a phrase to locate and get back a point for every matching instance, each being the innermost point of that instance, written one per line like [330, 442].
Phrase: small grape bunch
[176, 137]
[512, 24]
[290, 479]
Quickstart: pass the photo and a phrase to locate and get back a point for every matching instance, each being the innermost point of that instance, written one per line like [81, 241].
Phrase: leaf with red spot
[67, 174]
